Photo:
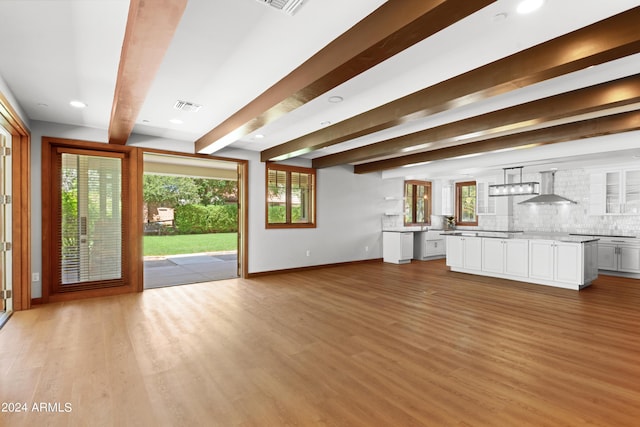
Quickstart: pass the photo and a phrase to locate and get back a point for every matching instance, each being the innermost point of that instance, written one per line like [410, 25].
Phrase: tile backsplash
[575, 218]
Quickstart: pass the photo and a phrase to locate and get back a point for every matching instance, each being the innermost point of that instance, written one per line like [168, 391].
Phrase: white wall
[349, 209]
[349, 217]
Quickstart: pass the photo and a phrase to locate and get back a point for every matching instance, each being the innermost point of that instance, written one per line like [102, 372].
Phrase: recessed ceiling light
[258, 136]
[335, 99]
[42, 104]
[528, 6]
[176, 121]
[78, 104]
[325, 123]
[145, 121]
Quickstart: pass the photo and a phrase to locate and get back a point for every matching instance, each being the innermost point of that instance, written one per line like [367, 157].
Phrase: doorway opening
[191, 220]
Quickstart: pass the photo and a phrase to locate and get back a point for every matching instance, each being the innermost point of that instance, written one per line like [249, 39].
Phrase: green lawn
[190, 243]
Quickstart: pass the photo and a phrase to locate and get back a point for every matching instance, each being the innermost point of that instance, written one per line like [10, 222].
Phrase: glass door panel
[613, 201]
[632, 192]
[90, 227]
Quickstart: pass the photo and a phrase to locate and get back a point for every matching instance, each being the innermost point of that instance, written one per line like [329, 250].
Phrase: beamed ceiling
[418, 81]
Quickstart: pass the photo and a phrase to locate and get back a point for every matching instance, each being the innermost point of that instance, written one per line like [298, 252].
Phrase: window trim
[288, 169]
[458, 213]
[429, 211]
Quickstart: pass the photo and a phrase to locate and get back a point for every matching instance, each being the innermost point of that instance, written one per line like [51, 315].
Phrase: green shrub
[278, 214]
[198, 219]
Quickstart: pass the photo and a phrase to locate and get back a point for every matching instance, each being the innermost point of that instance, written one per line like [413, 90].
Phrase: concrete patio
[192, 268]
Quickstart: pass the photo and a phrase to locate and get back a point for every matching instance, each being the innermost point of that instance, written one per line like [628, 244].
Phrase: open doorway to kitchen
[192, 219]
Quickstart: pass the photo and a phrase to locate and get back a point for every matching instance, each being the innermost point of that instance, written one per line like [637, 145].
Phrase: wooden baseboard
[311, 267]
[36, 301]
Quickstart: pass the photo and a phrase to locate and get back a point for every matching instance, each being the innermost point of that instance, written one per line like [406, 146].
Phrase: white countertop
[513, 234]
[560, 237]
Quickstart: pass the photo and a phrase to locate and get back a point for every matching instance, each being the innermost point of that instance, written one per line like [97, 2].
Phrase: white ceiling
[226, 53]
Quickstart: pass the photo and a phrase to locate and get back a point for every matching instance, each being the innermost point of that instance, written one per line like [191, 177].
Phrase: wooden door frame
[133, 274]
[21, 204]
[243, 200]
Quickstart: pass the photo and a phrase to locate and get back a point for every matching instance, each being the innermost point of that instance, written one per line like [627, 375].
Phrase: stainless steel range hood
[547, 195]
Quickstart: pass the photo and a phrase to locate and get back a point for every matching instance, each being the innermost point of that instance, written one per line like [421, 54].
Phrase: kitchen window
[417, 203]
[290, 197]
[466, 203]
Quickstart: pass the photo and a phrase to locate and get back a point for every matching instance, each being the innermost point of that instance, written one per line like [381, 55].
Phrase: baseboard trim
[619, 274]
[311, 267]
[36, 301]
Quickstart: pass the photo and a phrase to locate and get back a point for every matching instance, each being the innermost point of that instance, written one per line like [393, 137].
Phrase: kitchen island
[569, 262]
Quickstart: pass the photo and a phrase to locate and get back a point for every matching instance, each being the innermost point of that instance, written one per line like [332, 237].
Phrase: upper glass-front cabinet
[485, 205]
[615, 193]
[632, 192]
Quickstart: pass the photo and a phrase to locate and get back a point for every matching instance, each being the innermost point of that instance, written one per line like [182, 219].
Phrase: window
[466, 203]
[417, 203]
[291, 197]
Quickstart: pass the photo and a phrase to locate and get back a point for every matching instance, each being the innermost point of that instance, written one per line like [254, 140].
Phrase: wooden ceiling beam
[607, 125]
[150, 29]
[616, 93]
[390, 29]
[610, 39]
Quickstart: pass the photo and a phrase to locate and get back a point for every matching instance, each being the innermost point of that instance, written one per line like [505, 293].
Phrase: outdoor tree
[216, 191]
[168, 191]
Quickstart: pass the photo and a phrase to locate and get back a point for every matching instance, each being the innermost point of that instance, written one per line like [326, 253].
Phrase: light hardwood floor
[360, 345]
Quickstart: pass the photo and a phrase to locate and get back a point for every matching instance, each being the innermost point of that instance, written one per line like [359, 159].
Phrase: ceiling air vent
[287, 6]
[188, 107]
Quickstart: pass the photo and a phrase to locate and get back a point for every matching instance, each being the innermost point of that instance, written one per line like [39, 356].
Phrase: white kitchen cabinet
[541, 259]
[485, 205]
[615, 192]
[464, 252]
[517, 258]
[455, 251]
[568, 262]
[629, 259]
[397, 247]
[506, 256]
[571, 265]
[619, 255]
[428, 245]
[562, 262]
[493, 260]
[607, 256]
[556, 261]
[447, 200]
[632, 192]
[472, 253]
[435, 247]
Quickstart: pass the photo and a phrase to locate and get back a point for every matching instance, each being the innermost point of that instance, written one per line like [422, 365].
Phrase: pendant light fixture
[515, 188]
